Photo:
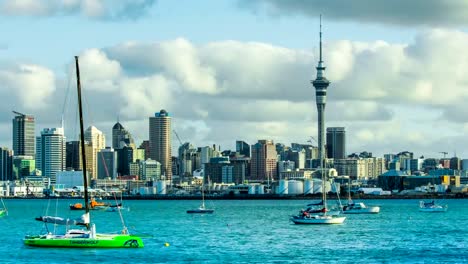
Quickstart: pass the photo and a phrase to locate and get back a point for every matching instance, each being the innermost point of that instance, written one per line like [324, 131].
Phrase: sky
[240, 70]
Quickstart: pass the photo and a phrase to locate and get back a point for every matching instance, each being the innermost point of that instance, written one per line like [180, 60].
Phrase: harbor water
[249, 231]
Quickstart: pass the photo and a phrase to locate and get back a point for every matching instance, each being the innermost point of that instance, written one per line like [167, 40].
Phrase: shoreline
[265, 197]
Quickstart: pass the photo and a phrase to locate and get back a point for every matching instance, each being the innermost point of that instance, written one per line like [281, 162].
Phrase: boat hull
[318, 220]
[2, 212]
[100, 241]
[367, 210]
[433, 210]
[198, 211]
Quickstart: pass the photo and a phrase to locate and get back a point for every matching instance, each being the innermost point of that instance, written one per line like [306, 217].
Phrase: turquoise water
[251, 232]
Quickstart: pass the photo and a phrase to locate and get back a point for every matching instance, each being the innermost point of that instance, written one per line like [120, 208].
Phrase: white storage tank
[295, 187]
[161, 187]
[335, 187]
[283, 187]
[260, 189]
[251, 189]
[317, 186]
[308, 187]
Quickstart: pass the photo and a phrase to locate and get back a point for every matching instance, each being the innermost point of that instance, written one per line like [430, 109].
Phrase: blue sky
[238, 69]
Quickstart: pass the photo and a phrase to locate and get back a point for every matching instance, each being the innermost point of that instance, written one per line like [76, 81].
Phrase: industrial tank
[283, 187]
[308, 187]
[295, 187]
[161, 187]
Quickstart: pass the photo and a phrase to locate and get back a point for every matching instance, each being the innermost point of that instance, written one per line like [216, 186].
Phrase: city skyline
[241, 70]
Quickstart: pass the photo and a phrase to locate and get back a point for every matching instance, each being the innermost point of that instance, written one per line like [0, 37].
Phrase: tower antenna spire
[320, 38]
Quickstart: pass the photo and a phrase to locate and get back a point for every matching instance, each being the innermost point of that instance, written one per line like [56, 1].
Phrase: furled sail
[83, 220]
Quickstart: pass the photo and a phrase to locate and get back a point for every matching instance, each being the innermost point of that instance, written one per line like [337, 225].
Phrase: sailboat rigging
[86, 237]
[202, 209]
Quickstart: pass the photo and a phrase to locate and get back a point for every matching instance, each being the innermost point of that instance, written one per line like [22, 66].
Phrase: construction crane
[310, 140]
[18, 114]
[178, 138]
[444, 152]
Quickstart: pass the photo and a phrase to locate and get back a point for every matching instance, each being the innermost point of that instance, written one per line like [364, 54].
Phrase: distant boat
[358, 208]
[432, 207]
[202, 209]
[93, 205]
[84, 235]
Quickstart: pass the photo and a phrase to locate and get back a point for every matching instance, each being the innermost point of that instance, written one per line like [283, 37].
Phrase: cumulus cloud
[27, 85]
[396, 12]
[97, 9]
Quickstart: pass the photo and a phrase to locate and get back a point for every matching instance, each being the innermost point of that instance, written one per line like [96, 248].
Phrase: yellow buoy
[166, 244]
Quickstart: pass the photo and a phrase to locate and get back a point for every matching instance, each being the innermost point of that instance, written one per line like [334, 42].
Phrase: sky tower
[321, 84]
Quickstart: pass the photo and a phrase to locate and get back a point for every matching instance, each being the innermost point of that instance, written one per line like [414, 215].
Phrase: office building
[160, 141]
[23, 135]
[51, 152]
[336, 143]
[263, 161]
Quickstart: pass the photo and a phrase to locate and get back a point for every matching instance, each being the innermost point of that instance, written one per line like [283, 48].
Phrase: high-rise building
[336, 143]
[73, 157]
[51, 152]
[124, 159]
[243, 148]
[321, 84]
[160, 141]
[150, 169]
[107, 164]
[121, 137]
[23, 135]
[6, 164]
[97, 141]
[263, 161]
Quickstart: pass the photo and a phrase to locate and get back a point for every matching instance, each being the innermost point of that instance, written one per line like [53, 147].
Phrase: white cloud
[98, 9]
[27, 86]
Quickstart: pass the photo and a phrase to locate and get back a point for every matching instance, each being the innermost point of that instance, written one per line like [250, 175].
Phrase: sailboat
[202, 209]
[358, 208]
[318, 216]
[85, 235]
[432, 206]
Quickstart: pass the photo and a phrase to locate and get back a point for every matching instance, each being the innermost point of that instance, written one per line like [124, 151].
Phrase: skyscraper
[73, 157]
[243, 148]
[120, 137]
[97, 140]
[160, 141]
[6, 164]
[23, 135]
[263, 162]
[336, 143]
[51, 152]
[321, 84]
[107, 164]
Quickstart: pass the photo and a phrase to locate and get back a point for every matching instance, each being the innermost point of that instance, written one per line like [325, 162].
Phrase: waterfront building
[6, 164]
[23, 166]
[134, 168]
[243, 148]
[445, 163]
[336, 143]
[97, 141]
[160, 141]
[285, 165]
[150, 170]
[263, 161]
[360, 169]
[430, 164]
[50, 156]
[107, 164]
[414, 165]
[121, 137]
[23, 135]
[296, 174]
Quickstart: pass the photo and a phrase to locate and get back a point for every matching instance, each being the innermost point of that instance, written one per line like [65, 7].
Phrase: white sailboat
[202, 209]
[358, 208]
[86, 236]
[432, 207]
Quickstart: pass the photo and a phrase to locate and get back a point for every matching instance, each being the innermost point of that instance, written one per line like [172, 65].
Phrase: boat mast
[83, 153]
